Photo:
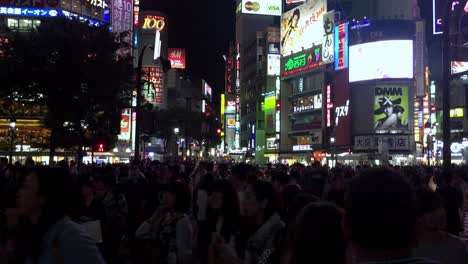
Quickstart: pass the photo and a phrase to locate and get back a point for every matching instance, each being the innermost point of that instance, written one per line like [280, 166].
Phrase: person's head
[298, 203]
[261, 201]
[104, 180]
[45, 194]
[388, 110]
[223, 198]
[241, 174]
[223, 170]
[431, 213]
[177, 197]
[87, 189]
[295, 18]
[380, 210]
[3, 162]
[316, 236]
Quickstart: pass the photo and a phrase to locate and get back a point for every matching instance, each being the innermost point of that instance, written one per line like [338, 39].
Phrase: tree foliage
[72, 69]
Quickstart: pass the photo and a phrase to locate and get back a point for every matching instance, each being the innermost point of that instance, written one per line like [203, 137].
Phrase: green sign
[305, 61]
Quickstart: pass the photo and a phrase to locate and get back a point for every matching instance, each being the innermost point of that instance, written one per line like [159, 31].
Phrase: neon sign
[98, 3]
[29, 12]
[303, 62]
[154, 22]
[329, 105]
[341, 47]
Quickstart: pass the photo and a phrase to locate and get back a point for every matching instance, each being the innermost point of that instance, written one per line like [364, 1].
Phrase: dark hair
[245, 172]
[230, 211]
[316, 235]
[299, 202]
[381, 210]
[104, 175]
[265, 191]
[427, 201]
[297, 13]
[55, 186]
[398, 109]
[181, 192]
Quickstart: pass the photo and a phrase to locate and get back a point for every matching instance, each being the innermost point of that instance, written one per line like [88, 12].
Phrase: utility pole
[446, 70]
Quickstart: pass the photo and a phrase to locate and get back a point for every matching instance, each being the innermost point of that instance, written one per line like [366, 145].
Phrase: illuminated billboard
[230, 107]
[122, 19]
[459, 66]
[262, 7]
[207, 91]
[341, 46]
[153, 22]
[177, 58]
[391, 108]
[36, 4]
[274, 64]
[302, 27]
[153, 89]
[304, 61]
[125, 124]
[328, 54]
[389, 59]
[438, 7]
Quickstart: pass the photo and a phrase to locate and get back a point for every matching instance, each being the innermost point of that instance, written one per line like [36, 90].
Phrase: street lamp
[176, 133]
[12, 137]
[332, 142]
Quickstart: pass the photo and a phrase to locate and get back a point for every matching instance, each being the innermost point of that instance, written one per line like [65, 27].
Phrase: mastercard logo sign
[252, 6]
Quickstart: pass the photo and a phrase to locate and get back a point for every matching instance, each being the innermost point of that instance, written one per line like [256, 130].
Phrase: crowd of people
[181, 213]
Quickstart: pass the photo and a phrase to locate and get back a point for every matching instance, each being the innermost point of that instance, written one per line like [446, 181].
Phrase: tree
[72, 69]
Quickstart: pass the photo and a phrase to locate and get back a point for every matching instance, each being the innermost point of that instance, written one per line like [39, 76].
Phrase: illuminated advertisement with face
[262, 7]
[369, 61]
[153, 88]
[302, 27]
[391, 108]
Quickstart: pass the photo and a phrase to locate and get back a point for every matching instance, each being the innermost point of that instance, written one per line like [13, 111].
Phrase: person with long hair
[170, 227]
[223, 217]
[316, 236]
[46, 233]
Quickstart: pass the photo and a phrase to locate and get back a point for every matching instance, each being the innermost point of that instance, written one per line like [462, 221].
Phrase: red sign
[153, 85]
[177, 58]
[136, 15]
[329, 105]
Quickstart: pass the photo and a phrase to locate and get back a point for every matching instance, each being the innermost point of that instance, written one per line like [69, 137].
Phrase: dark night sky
[204, 28]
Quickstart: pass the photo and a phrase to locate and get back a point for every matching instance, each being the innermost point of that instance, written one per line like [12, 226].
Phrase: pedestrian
[46, 234]
[170, 227]
[381, 217]
[316, 236]
[432, 240]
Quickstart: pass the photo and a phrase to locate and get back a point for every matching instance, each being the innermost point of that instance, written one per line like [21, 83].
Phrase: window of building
[22, 25]
[13, 23]
[303, 140]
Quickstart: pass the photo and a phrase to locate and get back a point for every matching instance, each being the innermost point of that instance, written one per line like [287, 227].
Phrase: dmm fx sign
[154, 22]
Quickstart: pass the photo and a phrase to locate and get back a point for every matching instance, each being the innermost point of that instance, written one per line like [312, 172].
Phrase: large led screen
[390, 59]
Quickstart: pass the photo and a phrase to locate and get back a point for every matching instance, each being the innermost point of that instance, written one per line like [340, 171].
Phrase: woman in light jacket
[170, 227]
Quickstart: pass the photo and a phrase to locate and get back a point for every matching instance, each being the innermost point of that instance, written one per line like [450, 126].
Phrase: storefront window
[66, 4]
[13, 23]
[308, 103]
[303, 140]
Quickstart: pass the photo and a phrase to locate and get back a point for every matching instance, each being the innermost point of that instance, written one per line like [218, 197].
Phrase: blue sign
[83, 19]
[30, 12]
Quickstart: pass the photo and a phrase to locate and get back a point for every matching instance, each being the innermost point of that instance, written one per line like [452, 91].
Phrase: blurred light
[115, 150]
[128, 150]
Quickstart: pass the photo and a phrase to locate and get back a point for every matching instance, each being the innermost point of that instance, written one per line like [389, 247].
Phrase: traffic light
[100, 147]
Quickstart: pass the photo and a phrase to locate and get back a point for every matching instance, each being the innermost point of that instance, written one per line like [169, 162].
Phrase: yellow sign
[457, 112]
[154, 22]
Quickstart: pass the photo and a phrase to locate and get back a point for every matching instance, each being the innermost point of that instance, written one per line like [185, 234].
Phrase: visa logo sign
[273, 8]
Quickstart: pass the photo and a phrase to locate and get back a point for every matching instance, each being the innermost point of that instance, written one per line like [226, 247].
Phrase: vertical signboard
[153, 85]
[419, 59]
[341, 46]
[125, 124]
[342, 109]
[327, 43]
[391, 108]
[329, 105]
[122, 15]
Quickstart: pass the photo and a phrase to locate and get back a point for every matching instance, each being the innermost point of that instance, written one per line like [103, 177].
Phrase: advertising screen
[459, 66]
[125, 124]
[153, 85]
[230, 107]
[302, 27]
[177, 58]
[262, 7]
[274, 64]
[303, 61]
[207, 91]
[31, 3]
[122, 15]
[391, 108]
[389, 59]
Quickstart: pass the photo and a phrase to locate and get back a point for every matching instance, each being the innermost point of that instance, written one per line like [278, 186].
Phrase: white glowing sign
[99, 3]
